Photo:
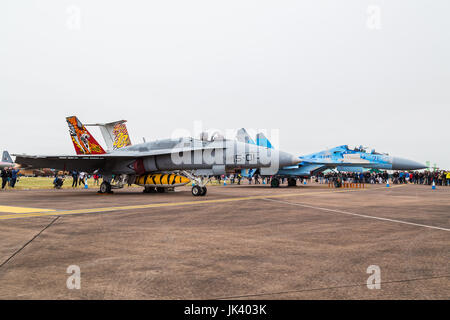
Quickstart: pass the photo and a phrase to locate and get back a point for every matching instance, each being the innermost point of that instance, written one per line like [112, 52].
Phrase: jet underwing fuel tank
[164, 180]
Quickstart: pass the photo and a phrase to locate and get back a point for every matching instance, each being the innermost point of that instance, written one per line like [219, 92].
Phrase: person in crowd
[9, 176]
[14, 173]
[97, 178]
[81, 178]
[75, 178]
[58, 181]
[4, 175]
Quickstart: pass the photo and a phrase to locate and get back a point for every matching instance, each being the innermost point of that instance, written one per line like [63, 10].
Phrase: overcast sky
[325, 73]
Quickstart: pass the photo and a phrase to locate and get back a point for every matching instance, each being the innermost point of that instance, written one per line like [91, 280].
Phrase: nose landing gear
[105, 187]
[199, 189]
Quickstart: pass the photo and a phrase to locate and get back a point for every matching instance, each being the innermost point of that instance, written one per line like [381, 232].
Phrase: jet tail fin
[262, 141]
[6, 157]
[243, 136]
[114, 133]
[83, 141]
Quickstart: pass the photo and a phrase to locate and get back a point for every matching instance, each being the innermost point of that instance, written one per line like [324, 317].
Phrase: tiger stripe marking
[160, 179]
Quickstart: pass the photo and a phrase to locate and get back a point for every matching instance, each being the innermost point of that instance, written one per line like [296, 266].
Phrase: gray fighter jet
[161, 164]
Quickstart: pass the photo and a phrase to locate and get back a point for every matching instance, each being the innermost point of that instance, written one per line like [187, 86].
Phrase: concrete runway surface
[238, 242]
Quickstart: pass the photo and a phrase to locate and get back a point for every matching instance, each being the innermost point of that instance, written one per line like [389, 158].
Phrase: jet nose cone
[406, 164]
[287, 159]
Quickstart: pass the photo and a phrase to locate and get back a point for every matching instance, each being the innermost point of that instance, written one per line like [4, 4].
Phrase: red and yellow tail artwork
[121, 137]
[83, 141]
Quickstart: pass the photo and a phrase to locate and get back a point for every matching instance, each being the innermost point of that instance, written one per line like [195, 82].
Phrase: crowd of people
[353, 177]
[239, 179]
[440, 178]
[79, 178]
[9, 177]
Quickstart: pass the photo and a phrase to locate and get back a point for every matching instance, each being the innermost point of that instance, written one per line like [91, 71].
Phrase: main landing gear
[292, 182]
[199, 191]
[275, 182]
[119, 183]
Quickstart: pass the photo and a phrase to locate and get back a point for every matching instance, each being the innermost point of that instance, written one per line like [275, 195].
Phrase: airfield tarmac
[238, 242]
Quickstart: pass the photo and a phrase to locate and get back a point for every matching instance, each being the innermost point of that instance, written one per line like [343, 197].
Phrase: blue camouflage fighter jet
[341, 158]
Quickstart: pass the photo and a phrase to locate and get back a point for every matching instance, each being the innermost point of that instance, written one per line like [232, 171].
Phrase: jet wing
[92, 162]
[84, 163]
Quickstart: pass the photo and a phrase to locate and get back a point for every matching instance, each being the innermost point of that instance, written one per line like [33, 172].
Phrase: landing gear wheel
[204, 190]
[161, 189]
[105, 187]
[275, 183]
[292, 182]
[197, 191]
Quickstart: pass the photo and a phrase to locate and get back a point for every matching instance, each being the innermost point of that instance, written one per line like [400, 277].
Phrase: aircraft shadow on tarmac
[74, 193]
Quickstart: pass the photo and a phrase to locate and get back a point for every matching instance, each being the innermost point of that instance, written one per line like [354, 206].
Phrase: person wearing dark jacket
[75, 178]
[9, 174]
[14, 173]
[4, 175]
